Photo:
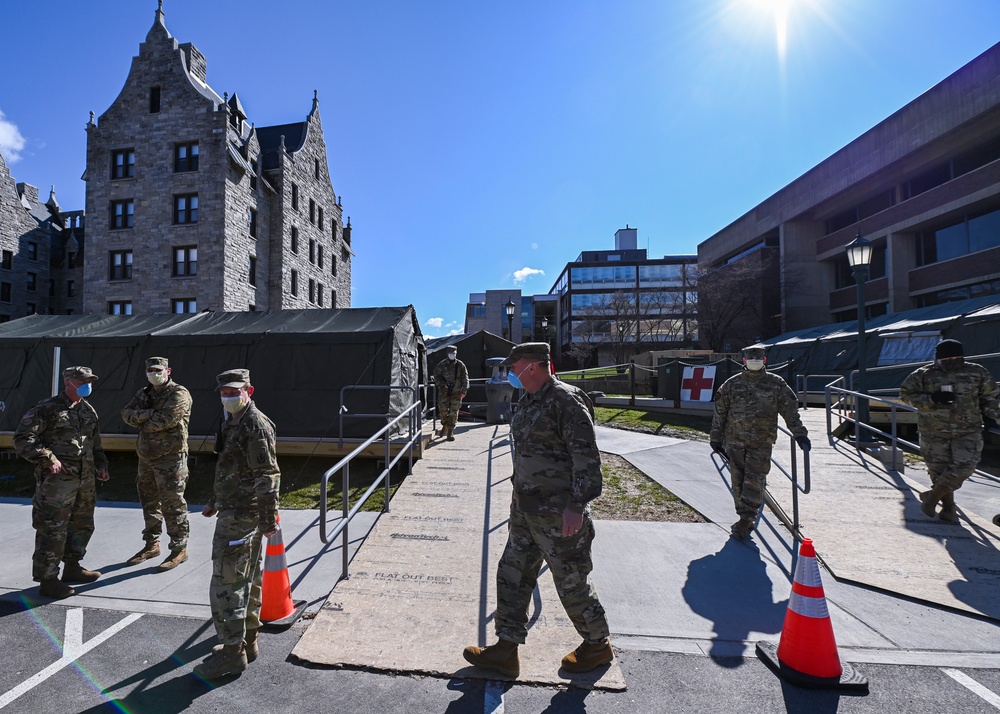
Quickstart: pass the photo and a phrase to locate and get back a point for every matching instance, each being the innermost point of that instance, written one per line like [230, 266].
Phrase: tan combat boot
[588, 656]
[949, 511]
[150, 550]
[500, 657]
[176, 558]
[929, 499]
[73, 572]
[742, 528]
[250, 647]
[53, 588]
[229, 659]
[451, 434]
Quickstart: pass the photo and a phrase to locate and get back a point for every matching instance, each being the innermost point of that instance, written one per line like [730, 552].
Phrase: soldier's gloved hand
[943, 397]
[717, 447]
[803, 442]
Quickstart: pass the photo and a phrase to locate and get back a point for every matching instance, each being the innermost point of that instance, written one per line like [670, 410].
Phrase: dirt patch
[630, 495]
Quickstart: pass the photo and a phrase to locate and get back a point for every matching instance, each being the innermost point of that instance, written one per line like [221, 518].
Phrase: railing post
[344, 542]
[388, 473]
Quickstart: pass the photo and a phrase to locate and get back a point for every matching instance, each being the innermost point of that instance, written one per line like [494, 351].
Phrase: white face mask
[232, 404]
[755, 365]
[157, 378]
[453, 356]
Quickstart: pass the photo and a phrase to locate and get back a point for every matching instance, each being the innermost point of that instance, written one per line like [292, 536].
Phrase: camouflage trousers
[448, 408]
[951, 460]
[62, 514]
[161, 485]
[748, 467]
[237, 558]
[530, 540]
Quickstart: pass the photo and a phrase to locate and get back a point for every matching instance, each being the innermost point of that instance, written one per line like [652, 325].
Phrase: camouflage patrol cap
[538, 351]
[233, 378]
[84, 374]
[757, 350]
[451, 348]
[157, 363]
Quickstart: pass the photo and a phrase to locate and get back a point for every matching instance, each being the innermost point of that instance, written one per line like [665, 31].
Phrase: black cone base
[850, 680]
[286, 622]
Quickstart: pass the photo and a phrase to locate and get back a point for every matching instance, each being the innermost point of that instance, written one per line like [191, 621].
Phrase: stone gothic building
[191, 207]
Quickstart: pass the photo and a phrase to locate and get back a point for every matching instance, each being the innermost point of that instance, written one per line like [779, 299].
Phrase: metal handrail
[343, 412]
[912, 366]
[892, 436]
[792, 523]
[412, 415]
[802, 385]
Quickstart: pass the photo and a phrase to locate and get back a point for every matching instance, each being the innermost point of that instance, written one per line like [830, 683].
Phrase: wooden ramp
[423, 587]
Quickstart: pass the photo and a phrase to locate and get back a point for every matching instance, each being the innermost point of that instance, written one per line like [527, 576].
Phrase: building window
[295, 283]
[312, 251]
[31, 308]
[120, 265]
[185, 261]
[312, 211]
[32, 250]
[4, 318]
[179, 306]
[316, 168]
[253, 175]
[122, 214]
[312, 290]
[32, 282]
[122, 163]
[333, 230]
[333, 298]
[344, 256]
[319, 256]
[120, 307]
[295, 239]
[186, 208]
[319, 294]
[319, 218]
[333, 265]
[5, 289]
[295, 197]
[253, 223]
[52, 287]
[8, 260]
[154, 100]
[70, 288]
[71, 260]
[186, 157]
[252, 271]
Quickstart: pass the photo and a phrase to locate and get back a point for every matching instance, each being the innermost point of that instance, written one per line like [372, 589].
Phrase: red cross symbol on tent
[697, 382]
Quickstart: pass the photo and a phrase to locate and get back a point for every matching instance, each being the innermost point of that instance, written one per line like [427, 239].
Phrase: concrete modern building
[193, 208]
[488, 311]
[924, 185]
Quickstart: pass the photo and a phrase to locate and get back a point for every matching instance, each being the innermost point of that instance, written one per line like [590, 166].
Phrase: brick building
[191, 207]
[923, 185]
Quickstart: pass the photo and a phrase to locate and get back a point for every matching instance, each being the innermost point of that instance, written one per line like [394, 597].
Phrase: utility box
[498, 393]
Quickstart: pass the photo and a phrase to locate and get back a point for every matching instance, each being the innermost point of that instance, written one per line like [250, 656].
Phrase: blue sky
[482, 145]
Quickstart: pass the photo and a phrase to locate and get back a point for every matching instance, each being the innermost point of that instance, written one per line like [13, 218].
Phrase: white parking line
[493, 699]
[973, 686]
[73, 647]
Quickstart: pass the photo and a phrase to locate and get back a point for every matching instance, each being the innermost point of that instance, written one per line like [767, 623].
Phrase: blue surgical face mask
[514, 381]
[84, 390]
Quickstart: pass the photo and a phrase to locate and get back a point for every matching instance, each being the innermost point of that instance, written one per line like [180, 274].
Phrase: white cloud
[524, 273]
[454, 332]
[534, 246]
[11, 141]
[435, 322]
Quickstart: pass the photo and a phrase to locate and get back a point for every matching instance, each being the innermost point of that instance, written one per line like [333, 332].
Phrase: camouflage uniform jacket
[556, 461]
[447, 372]
[246, 473]
[747, 406]
[162, 417]
[975, 396]
[56, 429]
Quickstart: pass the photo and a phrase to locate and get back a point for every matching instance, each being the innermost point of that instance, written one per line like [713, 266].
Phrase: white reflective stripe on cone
[807, 572]
[808, 606]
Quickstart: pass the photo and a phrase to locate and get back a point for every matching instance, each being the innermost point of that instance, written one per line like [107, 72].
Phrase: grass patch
[684, 426]
[630, 495]
[300, 480]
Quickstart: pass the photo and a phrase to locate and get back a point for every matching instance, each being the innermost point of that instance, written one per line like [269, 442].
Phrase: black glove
[803, 442]
[943, 397]
[717, 447]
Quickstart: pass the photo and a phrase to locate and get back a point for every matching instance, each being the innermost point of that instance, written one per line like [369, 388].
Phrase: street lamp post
[859, 256]
[509, 309]
[545, 329]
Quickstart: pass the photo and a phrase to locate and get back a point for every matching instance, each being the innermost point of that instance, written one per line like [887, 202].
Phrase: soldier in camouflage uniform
[954, 399]
[62, 438]
[452, 380]
[161, 411]
[557, 473]
[246, 500]
[745, 427]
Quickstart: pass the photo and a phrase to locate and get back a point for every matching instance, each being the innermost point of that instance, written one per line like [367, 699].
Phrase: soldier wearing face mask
[61, 436]
[452, 380]
[954, 399]
[745, 427]
[161, 412]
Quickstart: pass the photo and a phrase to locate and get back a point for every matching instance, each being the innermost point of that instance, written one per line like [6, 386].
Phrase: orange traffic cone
[807, 651]
[277, 607]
